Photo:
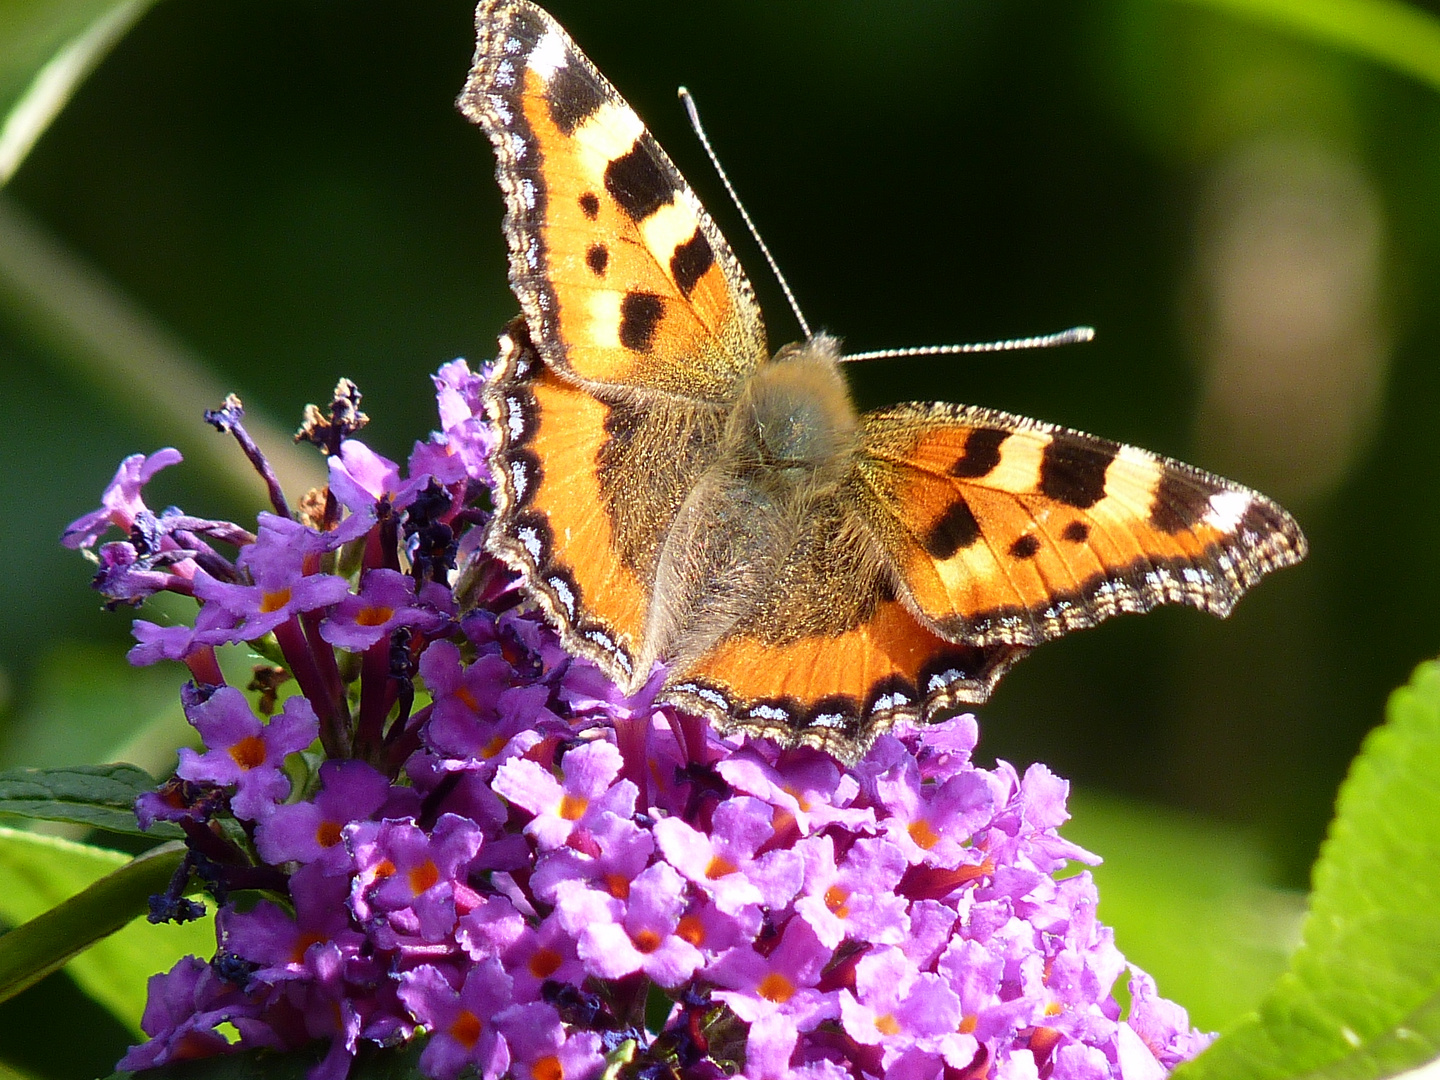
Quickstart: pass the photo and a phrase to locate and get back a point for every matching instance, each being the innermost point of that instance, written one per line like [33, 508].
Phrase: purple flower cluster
[454, 831]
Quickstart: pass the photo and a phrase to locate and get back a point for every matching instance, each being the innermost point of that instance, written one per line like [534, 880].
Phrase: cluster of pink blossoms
[456, 832]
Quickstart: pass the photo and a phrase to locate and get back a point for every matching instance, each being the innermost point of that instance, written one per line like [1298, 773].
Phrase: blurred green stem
[109, 344]
[56, 82]
[1396, 35]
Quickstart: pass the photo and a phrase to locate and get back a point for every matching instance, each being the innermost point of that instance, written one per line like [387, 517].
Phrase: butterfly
[669, 491]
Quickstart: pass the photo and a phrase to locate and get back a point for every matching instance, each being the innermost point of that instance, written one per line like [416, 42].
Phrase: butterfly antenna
[694, 115]
[1074, 336]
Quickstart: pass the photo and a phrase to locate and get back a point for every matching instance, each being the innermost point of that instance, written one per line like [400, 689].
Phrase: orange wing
[584, 492]
[831, 657]
[621, 274]
[639, 326]
[1009, 530]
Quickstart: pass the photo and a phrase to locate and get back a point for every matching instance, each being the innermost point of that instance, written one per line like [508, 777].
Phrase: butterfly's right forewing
[1006, 529]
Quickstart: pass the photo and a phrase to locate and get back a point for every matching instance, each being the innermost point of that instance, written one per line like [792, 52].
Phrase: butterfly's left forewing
[1005, 529]
[625, 281]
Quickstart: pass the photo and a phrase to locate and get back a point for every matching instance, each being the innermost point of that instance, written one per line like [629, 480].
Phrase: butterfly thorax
[790, 440]
[794, 422]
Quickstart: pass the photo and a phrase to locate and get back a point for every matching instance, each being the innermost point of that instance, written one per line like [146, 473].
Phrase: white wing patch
[1226, 510]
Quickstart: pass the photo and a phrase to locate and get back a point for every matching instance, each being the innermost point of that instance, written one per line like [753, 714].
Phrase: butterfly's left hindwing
[1009, 530]
[585, 491]
[621, 274]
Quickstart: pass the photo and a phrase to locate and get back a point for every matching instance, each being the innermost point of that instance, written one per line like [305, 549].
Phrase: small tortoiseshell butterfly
[671, 491]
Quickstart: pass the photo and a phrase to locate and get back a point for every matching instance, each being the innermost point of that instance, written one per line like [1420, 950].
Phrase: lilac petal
[1137, 1061]
[359, 476]
[955, 739]
[317, 591]
[693, 854]
[1016, 1064]
[121, 502]
[657, 897]
[778, 875]
[1075, 1061]
[1044, 796]
[608, 951]
[295, 728]
[490, 929]
[769, 1047]
[591, 769]
[916, 1064]
[224, 718]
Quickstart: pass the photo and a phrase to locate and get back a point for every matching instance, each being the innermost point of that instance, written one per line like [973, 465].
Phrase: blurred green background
[275, 193]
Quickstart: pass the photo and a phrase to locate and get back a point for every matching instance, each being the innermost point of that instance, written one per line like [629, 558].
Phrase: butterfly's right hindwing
[831, 657]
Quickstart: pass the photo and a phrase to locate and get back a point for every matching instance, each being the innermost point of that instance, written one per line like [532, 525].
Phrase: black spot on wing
[953, 530]
[690, 261]
[1025, 547]
[640, 315]
[574, 97]
[532, 529]
[638, 182]
[1077, 532]
[527, 25]
[597, 258]
[1181, 501]
[590, 205]
[896, 690]
[1072, 468]
[969, 666]
[982, 453]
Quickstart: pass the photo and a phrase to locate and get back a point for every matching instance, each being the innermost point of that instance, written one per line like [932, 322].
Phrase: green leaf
[50, 47]
[1362, 997]
[100, 796]
[1399, 36]
[67, 897]
[1191, 901]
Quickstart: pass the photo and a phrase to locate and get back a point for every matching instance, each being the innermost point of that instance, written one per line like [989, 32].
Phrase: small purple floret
[245, 753]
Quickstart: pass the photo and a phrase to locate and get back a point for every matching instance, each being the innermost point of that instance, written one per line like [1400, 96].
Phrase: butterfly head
[794, 418]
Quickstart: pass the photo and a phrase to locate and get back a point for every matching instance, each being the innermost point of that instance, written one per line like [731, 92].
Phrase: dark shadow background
[286, 185]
